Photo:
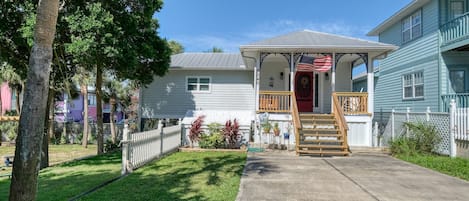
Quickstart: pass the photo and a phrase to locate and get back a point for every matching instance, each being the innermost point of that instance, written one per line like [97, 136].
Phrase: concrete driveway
[363, 176]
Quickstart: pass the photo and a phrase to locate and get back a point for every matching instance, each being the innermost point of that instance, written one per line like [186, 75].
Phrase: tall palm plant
[84, 78]
[116, 93]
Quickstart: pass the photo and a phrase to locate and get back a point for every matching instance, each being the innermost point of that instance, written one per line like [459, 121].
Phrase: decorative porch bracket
[364, 57]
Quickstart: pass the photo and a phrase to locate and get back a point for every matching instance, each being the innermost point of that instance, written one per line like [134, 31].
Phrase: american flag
[310, 64]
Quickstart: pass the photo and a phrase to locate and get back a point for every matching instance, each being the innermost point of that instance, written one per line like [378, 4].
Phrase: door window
[458, 81]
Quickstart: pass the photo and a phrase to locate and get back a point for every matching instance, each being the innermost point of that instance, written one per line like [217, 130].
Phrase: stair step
[320, 129]
[328, 152]
[320, 146]
[322, 141]
[320, 135]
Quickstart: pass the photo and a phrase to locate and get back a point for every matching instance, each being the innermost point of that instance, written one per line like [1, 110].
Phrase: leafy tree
[215, 50]
[176, 47]
[118, 37]
[84, 78]
[31, 125]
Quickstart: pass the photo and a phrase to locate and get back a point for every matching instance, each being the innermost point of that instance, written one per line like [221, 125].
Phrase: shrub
[9, 129]
[231, 133]
[214, 139]
[109, 146]
[196, 129]
[420, 138]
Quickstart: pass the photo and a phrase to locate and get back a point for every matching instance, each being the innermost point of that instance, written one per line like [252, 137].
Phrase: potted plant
[276, 129]
[267, 127]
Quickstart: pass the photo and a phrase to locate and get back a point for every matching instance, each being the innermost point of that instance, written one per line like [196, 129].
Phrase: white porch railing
[140, 148]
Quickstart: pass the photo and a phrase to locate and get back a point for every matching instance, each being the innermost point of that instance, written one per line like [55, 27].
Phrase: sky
[200, 25]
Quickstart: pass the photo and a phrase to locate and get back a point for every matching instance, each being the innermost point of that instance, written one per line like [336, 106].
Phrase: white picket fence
[140, 148]
[452, 126]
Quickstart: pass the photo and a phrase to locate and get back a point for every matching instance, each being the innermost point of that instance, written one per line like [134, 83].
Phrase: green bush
[9, 129]
[419, 138]
[214, 138]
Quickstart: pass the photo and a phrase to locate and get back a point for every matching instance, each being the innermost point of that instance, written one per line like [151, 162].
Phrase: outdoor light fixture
[327, 76]
[281, 75]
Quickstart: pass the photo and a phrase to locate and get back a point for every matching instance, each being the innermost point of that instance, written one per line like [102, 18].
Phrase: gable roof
[313, 40]
[208, 61]
[398, 16]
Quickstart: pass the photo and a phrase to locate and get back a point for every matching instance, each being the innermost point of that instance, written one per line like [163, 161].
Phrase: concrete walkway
[363, 176]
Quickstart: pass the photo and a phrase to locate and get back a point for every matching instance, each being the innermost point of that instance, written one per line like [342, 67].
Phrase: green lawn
[57, 153]
[180, 176]
[64, 181]
[458, 167]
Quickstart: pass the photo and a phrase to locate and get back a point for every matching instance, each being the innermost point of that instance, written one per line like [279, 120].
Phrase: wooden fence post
[392, 123]
[452, 128]
[125, 150]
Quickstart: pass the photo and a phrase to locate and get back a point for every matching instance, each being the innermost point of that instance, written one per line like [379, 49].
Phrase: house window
[198, 84]
[412, 27]
[456, 9]
[13, 100]
[91, 100]
[412, 86]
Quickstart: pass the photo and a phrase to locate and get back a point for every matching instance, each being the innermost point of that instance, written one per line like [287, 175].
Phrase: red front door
[304, 91]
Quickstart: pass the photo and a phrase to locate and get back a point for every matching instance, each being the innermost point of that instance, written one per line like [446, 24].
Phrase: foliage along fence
[140, 148]
[451, 126]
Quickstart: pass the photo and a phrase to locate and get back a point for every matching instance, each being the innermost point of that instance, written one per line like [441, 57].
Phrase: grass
[64, 181]
[457, 167]
[57, 153]
[180, 176]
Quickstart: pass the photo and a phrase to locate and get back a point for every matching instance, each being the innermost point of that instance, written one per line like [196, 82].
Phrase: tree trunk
[1, 106]
[51, 130]
[24, 181]
[45, 139]
[112, 124]
[99, 109]
[84, 140]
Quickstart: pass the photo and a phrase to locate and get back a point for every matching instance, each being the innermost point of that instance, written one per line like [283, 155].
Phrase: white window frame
[412, 26]
[197, 90]
[91, 99]
[413, 85]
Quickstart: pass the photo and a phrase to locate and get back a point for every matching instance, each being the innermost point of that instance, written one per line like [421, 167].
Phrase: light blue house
[431, 65]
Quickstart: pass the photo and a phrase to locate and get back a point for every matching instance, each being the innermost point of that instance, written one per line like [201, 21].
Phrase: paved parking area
[363, 176]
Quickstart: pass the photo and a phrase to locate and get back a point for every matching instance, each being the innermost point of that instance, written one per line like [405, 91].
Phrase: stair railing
[340, 118]
[296, 120]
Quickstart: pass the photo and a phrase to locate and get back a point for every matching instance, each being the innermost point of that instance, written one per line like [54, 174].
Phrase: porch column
[333, 73]
[333, 80]
[292, 72]
[370, 85]
[257, 77]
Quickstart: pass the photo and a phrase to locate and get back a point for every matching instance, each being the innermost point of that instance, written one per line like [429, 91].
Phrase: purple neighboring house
[72, 110]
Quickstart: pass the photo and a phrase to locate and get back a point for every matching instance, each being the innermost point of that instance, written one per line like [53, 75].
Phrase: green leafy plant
[9, 129]
[276, 129]
[214, 138]
[267, 127]
[420, 138]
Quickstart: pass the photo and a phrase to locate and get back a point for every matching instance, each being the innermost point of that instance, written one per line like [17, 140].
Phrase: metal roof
[312, 40]
[208, 61]
[398, 16]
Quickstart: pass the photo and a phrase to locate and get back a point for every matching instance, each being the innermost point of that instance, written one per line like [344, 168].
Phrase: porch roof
[317, 42]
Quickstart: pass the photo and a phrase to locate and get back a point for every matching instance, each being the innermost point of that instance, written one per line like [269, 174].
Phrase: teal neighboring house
[431, 66]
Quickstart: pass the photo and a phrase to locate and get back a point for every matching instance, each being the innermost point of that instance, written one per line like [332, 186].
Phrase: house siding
[420, 54]
[430, 24]
[167, 97]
